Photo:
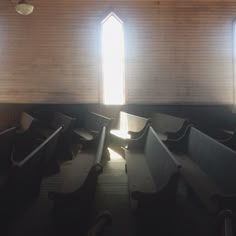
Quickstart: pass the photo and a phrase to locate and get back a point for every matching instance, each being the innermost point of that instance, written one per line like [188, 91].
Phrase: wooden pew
[48, 122]
[48, 125]
[209, 169]
[10, 137]
[153, 175]
[71, 206]
[21, 184]
[129, 127]
[169, 128]
[91, 126]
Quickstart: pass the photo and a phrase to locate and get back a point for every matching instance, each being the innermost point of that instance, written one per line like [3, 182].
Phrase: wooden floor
[112, 195]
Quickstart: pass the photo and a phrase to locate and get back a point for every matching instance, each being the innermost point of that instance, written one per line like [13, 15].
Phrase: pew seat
[200, 181]
[85, 134]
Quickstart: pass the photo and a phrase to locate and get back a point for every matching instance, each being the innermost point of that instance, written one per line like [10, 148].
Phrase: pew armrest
[136, 135]
[139, 142]
[180, 135]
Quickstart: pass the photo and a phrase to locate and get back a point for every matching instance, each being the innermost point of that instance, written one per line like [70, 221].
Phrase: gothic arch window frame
[234, 61]
[102, 84]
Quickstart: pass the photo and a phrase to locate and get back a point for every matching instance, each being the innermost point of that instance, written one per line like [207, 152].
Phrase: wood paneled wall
[176, 51]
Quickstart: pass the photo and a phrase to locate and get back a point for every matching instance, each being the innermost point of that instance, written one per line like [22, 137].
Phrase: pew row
[21, 183]
[129, 127]
[48, 123]
[169, 128]
[152, 171]
[209, 169]
[71, 206]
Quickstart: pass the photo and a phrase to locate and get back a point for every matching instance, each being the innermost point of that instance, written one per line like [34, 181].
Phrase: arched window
[113, 60]
[234, 61]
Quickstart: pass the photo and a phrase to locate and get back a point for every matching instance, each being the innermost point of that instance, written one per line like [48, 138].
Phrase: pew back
[132, 123]
[161, 163]
[62, 120]
[215, 159]
[26, 175]
[163, 123]
[95, 122]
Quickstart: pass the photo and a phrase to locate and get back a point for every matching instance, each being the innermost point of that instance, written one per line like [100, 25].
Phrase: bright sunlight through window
[113, 60]
[234, 59]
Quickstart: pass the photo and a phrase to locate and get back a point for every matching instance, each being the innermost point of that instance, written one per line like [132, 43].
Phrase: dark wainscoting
[217, 115]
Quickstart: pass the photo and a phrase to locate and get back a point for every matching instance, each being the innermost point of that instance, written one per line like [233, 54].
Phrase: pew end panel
[26, 122]
[130, 127]
[179, 145]
[74, 209]
[138, 143]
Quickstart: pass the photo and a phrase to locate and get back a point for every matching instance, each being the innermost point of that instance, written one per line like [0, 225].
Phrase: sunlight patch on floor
[114, 155]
